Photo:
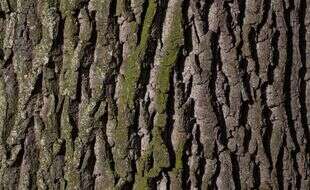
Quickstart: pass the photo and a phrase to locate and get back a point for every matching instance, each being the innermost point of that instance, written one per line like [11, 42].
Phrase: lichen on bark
[154, 94]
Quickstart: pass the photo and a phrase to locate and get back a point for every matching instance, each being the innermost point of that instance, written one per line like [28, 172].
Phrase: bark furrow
[154, 94]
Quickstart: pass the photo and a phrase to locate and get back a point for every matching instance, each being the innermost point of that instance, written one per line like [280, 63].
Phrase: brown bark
[154, 94]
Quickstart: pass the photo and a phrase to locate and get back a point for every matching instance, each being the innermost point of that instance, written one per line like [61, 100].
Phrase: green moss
[65, 7]
[142, 171]
[174, 41]
[69, 75]
[158, 149]
[68, 6]
[173, 44]
[142, 183]
[179, 157]
[128, 85]
[132, 69]
[160, 154]
[71, 176]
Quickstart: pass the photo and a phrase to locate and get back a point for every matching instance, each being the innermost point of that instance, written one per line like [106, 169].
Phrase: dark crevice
[188, 46]
[287, 88]
[279, 166]
[244, 111]
[203, 11]
[242, 12]
[275, 55]
[245, 81]
[201, 161]
[253, 43]
[73, 111]
[87, 168]
[103, 120]
[235, 170]
[217, 107]
[256, 175]
[229, 22]
[189, 117]
[170, 121]
[267, 123]
[37, 89]
[278, 92]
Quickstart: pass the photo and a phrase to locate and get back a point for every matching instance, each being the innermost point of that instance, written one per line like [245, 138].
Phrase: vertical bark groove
[154, 94]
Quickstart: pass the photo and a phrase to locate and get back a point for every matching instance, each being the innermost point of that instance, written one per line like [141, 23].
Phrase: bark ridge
[154, 94]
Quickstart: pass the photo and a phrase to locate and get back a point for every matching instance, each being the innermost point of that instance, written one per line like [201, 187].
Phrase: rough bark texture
[154, 94]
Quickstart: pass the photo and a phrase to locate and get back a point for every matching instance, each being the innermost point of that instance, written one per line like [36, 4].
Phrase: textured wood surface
[154, 94]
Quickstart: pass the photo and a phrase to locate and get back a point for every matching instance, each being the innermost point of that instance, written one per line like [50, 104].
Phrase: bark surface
[154, 94]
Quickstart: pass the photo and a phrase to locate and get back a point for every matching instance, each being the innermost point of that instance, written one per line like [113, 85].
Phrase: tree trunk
[154, 94]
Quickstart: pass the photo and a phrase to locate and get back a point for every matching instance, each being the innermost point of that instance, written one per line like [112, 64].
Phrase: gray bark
[154, 94]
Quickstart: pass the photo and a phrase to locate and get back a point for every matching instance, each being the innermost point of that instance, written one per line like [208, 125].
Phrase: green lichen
[128, 85]
[68, 80]
[85, 120]
[69, 75]
[174, 41]
[179, 158]
[67, 7]
[142, 183]
[160, 155]
[158, 149]
[71, 175]
[171, 51]
[132, 68]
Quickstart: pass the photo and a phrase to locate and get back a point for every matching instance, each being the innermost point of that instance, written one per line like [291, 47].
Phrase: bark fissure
[154, 94]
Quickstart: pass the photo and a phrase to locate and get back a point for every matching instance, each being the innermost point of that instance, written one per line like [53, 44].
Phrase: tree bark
[154, 94]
